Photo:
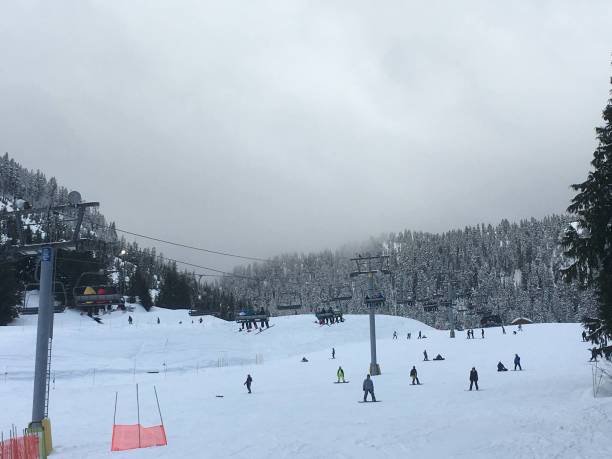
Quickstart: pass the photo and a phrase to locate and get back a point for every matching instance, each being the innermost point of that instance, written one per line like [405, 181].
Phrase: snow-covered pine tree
[9, 293]
[588, 241]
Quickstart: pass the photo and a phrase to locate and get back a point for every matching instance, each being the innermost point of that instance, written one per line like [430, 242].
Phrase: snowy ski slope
[296, 411]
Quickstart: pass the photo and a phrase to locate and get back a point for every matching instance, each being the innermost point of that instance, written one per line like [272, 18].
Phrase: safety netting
[25, 447]
[133, 436]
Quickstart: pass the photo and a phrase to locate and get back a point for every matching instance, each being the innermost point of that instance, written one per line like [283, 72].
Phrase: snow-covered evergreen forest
[510, 269]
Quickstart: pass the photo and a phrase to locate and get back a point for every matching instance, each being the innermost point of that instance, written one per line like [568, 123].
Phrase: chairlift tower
[44, 333]
[369, 266]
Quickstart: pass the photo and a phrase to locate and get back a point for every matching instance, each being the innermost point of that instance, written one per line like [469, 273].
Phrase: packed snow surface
[295, 410]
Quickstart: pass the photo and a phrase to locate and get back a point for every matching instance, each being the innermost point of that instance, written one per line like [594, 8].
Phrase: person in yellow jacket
[340, 374]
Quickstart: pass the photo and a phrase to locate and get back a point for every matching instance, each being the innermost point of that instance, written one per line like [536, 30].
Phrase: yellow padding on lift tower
[46, 423]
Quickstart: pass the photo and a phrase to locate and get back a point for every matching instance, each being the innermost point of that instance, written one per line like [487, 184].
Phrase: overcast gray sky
[261, 127]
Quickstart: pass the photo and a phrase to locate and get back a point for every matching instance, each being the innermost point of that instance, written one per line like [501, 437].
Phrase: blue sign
[46, 254]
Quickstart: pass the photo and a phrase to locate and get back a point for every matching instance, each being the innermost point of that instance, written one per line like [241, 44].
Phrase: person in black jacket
[248, 382]
[473, 378]
[414, 376]
[501, 367]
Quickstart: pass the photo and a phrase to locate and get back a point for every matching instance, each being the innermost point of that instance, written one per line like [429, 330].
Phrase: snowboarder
[395, 335]
[340, 374]
[425, 358]
[438, 357]
[130, 320]
[304, 359]
[414, 376]
[408, 336]
[517, 362]
[248, 382]
[158, 321]
[368, 387]
[333, 353]
[501, 367]
[473, 378]
[593, 354]
[503, 330]
[584, 335]
[201, 321]
[482, 332]
[419, 334]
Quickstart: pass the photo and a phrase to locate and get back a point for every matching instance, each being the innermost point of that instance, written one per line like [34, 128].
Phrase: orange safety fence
[134, 436]
[25, 447]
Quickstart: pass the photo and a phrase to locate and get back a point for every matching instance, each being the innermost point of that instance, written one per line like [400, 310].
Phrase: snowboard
[219, 396]
[368, 401]
[341, 382]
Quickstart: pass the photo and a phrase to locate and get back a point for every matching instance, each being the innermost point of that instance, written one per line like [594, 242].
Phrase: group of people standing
[470, 333]
[409, 335]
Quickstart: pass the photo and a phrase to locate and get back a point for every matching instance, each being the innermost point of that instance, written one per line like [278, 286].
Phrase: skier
[394, 334]
[584, 335]
[408, 335]
[248, 382]
[517, 362]
[473, 378]
[501, 367]
[201, 321]
[158, 321]
[419, 334]
[130, 320]
[413, 375]
[482, 332]
[503, 330]
[340, 374]
[368, 387]
[425, 358]
[333, 353]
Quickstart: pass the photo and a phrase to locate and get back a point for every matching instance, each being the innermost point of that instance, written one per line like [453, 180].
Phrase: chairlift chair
[59, 298]
[430, 306]
[404, 297]
[288, 301]
[95, 295]
[374, 297]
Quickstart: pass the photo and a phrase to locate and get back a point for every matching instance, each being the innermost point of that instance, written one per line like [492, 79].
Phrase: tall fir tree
[175, 291]
[9, 294]
[588, 241]
[140, 288]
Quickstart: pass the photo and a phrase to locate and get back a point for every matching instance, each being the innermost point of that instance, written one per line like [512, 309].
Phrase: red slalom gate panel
[20, 448]
[135, 436]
